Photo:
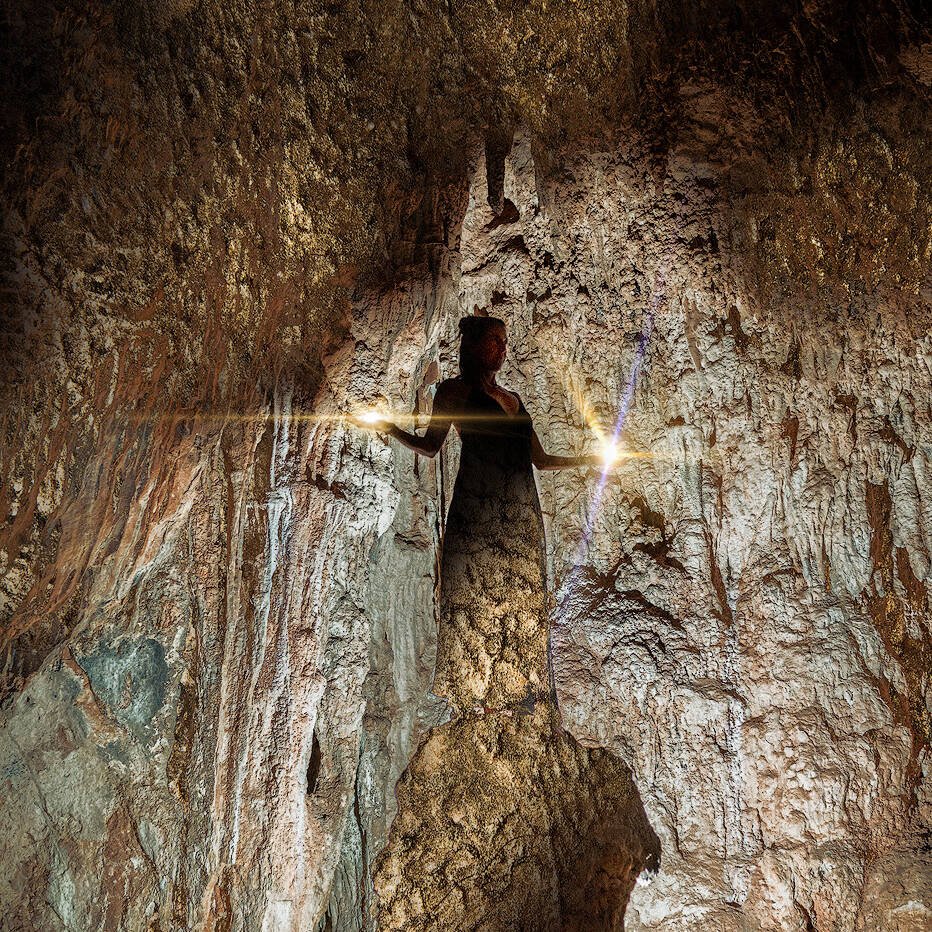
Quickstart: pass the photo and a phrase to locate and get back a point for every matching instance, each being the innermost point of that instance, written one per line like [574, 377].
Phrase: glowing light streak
[364, 420]
[610, 448]
[612, 441]
[572, 382]
[611, 452]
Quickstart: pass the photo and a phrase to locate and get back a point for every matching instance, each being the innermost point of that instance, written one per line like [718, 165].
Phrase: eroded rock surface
[218, 614]
[506, 822]
[751, 577]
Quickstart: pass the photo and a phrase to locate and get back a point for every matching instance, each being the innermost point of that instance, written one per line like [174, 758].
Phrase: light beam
[611, 443]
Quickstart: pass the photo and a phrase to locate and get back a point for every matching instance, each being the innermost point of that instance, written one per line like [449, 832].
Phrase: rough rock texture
[506, 822]
[748, 615]
[217, 614]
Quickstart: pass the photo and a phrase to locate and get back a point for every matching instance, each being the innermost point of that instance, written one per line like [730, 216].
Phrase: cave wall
[225, 730]
[747, 621]
[218, 613]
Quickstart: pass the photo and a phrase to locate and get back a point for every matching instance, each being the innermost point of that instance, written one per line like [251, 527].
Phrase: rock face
[694, 590]
[750, 585]
[219, 613]
[506, 822]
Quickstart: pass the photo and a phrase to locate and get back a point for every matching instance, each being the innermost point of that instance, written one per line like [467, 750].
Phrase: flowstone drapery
[228, 224]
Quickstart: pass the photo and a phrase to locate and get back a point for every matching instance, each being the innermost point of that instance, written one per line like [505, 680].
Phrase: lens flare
[611, 441]
[371, 417]
[611, 452]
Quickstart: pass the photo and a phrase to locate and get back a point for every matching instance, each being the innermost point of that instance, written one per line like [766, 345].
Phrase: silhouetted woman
[504, 820]
[492, 642]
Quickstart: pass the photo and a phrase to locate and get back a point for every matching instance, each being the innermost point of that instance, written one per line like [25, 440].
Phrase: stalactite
[228, 226]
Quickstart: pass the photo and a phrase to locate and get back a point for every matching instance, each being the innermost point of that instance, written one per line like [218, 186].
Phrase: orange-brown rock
[228, 224]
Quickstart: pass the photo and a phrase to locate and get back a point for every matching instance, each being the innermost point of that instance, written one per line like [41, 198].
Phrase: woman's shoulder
[451, 394]
[453, 388]
[517, 397]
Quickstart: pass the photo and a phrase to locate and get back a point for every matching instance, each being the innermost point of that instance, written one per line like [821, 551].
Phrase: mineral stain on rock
[130, 676]
[898, 606]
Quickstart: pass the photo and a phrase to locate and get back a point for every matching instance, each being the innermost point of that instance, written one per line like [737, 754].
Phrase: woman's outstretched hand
[599, 465]
[428, 445]
[372, 420]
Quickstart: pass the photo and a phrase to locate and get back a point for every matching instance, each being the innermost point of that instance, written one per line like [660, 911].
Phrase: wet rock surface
[218, 614]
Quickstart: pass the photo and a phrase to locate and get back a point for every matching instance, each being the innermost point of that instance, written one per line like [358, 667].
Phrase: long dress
[492, 642]
[504, 821]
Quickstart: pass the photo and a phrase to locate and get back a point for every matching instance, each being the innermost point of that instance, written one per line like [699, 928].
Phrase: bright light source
[611, 452]
[370, 417]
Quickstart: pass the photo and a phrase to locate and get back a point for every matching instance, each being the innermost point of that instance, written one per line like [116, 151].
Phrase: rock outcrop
[227, 225]
[745, 577]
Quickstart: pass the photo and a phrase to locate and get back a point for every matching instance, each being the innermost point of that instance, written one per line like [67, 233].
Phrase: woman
[492, 643]
[483, 347]
[504, 821]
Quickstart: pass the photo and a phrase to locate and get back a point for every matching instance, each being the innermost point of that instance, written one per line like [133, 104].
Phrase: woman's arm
[543, 460]
[440, 420]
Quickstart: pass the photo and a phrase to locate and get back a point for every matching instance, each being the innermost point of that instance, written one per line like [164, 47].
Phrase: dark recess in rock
[313, 766]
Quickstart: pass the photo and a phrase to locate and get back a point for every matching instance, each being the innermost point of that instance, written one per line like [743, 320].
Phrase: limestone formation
[227, 225]
[505, 822]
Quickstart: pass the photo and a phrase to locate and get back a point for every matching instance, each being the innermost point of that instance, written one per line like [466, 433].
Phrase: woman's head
[482, 345]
